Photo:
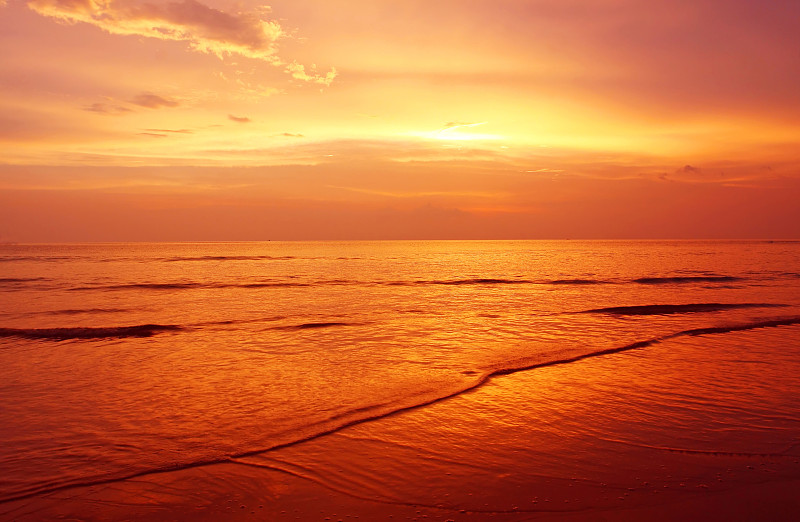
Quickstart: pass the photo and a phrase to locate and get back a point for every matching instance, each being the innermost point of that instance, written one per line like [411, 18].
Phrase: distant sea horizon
[121, 360]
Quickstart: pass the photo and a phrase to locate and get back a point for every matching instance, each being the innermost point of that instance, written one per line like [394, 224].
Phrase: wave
[771, 323]
[568, 281]
[142, 286]
[112, 332]
[14, 280]
[666, 309]
[228, 258]
[458, 282]
[309, 326]
[376, 412]
[482, 281]
[191, 286]
[576, 282]
[686, 279]
[265, 285]
[11, 259]
[87, 311]
[475, 281]
[226, 322]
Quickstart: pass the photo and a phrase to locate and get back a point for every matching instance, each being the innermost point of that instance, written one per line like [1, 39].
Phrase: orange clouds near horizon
[212, 120]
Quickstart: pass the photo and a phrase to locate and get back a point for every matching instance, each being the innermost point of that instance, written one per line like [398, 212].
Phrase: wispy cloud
[153, 101]
[205, 29]
[405, 194]
[456, 124]
[240, 119]
[455, 130]
[250, 34]
[171, 131]
[298, 72]
[106, 108]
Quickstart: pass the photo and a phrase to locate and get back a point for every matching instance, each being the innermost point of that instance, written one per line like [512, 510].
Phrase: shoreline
[574, 442]
[229, 492]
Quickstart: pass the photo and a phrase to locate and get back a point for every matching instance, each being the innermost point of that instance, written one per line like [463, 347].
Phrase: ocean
[121, 360]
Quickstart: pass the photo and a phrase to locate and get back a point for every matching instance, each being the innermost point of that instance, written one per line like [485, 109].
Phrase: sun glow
[454, 132]
[575, 128]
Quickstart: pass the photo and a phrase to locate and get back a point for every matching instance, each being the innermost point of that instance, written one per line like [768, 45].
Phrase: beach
[542, 445]
[622, 399]
[453, 261]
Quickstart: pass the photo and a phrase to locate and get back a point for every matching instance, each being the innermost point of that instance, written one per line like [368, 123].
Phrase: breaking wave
[666, 309]
[458, 282]
[771, 323]
[142, 286]
[309, 326]
[576, 282]
[113, 332]
[686, 279]
[191, 286]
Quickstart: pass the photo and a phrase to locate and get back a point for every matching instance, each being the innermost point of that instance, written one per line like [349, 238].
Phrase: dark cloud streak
[153, 101]
[105, 108]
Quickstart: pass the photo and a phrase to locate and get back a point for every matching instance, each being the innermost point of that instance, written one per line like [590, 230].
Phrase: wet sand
[231, 492]
[670, 432]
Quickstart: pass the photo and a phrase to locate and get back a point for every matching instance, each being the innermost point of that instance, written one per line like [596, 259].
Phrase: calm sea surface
[120, 359]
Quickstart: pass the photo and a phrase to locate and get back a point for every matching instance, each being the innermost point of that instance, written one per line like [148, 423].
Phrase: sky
[218, 120]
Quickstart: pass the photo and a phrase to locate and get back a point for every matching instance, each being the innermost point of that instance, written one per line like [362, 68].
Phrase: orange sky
[309, 119]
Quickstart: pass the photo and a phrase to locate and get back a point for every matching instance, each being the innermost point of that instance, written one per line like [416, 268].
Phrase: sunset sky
[352, 119]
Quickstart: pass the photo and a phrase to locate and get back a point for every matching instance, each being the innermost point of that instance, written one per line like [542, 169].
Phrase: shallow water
[121, 359]
[673, 421]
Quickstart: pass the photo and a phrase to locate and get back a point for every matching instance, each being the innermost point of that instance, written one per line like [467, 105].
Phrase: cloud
[455, 130]
[205, 29]
[240, 119]
[290, 135]
[455, 125]
[172, 131]
[105, 108]
[153, 101]
[298, 72]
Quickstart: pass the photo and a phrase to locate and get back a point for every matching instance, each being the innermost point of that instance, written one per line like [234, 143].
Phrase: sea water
[118, 360]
